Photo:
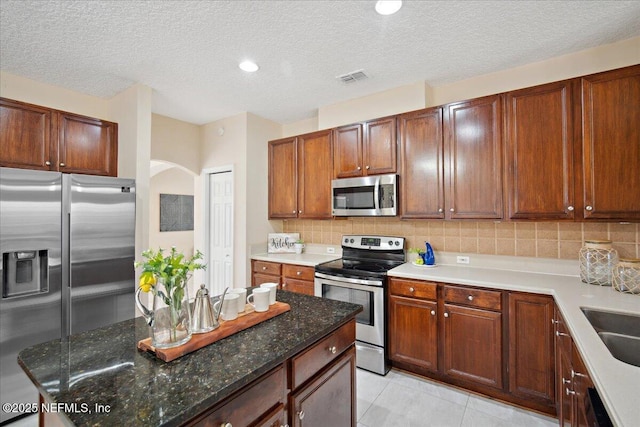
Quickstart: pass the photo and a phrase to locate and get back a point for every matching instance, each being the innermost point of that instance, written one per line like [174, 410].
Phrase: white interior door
[220, 253]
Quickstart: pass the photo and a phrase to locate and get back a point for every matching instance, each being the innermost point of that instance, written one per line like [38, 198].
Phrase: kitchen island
[100, 378]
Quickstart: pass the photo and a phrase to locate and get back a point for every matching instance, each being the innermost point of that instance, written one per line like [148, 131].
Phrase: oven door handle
[349, 282]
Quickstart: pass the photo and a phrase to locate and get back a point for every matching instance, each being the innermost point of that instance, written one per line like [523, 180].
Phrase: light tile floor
[403, 400]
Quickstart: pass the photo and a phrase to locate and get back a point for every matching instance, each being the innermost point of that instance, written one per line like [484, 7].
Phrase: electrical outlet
[331, 250]
[463, 260]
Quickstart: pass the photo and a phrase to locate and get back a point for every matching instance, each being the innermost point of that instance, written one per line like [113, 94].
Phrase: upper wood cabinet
[421, 164]
[300, 173]
[610, 116]
[283, 179]
[539, 140]
[473, 159]
[25, 135]
[34, 137]
[367, 148]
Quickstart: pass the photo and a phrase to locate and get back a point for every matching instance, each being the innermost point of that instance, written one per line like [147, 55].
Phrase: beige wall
[300, 127]
[601, 58]
[531, 239]
[393, 101]
[33, 92]
[171, 181]
[176, 142]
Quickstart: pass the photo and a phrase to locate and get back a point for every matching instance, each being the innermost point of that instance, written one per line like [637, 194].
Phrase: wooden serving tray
[245, 320]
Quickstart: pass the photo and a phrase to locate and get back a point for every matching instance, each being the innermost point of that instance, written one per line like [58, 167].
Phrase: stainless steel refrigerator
[67, 243]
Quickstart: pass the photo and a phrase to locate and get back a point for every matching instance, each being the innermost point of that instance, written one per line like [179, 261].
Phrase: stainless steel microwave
[375, 195]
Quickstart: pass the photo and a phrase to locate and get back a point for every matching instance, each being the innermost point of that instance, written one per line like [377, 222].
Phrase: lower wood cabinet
[413, 322]
[572, 378]
[330, 398]
[316, 387]
[290, 277]
[473, 345]
[531, 347]
[494, 342]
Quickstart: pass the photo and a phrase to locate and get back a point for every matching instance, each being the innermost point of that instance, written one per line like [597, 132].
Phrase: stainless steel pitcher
[204, 318]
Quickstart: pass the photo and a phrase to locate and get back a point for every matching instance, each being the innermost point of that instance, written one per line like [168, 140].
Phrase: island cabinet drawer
[257, 402]
[308, 363]
[473, 297]
[413, 289]
[298, 272]
[264, 267]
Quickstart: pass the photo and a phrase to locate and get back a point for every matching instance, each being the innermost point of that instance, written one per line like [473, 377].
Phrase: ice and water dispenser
[25, 273]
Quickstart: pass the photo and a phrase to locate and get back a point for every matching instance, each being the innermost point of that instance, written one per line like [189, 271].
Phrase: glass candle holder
[597, 259]
[626, 276]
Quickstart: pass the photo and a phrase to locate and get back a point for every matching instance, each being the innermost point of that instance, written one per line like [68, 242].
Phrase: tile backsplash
[531, 239]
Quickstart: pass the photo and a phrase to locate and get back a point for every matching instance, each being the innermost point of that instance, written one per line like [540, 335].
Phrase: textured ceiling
[188, 51]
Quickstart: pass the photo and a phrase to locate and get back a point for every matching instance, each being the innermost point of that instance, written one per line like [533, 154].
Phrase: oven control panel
[373, 242]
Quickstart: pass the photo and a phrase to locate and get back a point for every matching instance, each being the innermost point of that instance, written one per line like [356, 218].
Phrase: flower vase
[170, 318]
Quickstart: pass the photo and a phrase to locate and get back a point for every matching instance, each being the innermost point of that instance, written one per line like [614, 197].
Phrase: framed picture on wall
[176, 212]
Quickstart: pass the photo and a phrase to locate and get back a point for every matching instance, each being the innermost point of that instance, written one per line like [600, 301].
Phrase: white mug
[229, 309]
[273, 287]
[259, 299]
[242, 297]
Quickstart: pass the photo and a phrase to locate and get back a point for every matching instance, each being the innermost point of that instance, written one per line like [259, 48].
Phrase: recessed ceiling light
[388, 7]
[248, 66]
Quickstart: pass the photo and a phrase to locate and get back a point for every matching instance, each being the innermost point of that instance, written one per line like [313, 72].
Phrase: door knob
[570, 208]
[62, 165]
[48, 163]
[589, 208]
[452, 210]
[433, 312]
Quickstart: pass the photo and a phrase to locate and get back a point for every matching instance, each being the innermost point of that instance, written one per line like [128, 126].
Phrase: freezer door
[30, 273]
[102, 249]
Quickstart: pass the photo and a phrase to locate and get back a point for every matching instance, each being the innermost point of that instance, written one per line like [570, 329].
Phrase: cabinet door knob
[284, 285]
[48, 163]
[226, 425]
[367, 167]
[359, 168]
[301, 415]
[63, 165]
[298, 273]
[446, 314]
[452, 210]
[440, 210]
[560, 334]
[412, 289]
[570, 208]
[332, 349]
[470, 297]
[565, 381]
[299, 212]
[554, 321]
[293, 212]
[264, 268]
[589, 208]
[569, 392]
[577, 374]
[433, 312]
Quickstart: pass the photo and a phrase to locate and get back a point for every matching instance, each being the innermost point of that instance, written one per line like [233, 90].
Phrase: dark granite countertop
[104, 367]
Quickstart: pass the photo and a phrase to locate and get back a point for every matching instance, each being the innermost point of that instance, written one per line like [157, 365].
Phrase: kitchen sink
[620, 333]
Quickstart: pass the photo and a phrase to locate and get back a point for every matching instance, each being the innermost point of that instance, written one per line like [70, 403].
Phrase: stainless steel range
[360, 277]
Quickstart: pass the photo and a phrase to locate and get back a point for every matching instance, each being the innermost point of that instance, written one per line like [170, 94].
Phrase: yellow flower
[147, 281]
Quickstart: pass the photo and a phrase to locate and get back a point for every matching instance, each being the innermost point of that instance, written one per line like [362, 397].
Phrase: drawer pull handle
[570, 392]
[561, 334]
[264, 268]
[298, 272]
[446, 315]
[470, 297]
[433, 312]
[332, 350]
[301, 415]
[412, 290]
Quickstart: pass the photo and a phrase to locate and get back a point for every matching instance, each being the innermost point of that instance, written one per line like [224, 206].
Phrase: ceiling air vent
[353, 77]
